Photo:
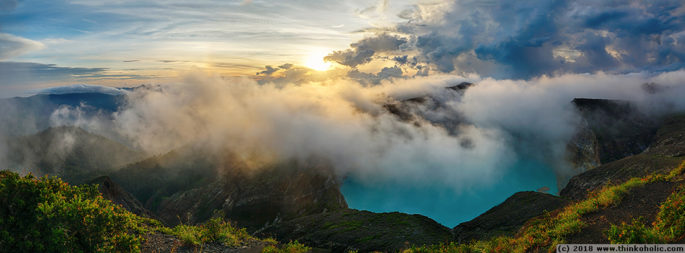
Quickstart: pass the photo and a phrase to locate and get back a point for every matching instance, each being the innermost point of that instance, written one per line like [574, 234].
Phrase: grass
[291, 247]
[669, 225]
[215, 230]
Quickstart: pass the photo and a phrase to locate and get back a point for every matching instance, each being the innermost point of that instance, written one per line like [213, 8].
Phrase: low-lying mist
[504, 135]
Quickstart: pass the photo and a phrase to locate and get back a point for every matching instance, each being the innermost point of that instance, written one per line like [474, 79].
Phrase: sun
[315, 60]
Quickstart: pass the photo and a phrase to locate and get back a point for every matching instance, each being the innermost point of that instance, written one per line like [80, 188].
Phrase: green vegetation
[47, 214]
[215, 230]
[669, 225]
[545, 232]
[670, 221]
[447, 248]
[291, 247]
[636, 232]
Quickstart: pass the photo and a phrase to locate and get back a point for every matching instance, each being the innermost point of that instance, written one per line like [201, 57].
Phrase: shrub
[47, 214]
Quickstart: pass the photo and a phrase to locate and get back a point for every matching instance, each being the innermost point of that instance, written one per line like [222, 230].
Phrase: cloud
[385, 74]
[268, 70]
[504, 39]
[455, 139]
[17, 77]
[337, 121]
[362, 51]
[12, 46]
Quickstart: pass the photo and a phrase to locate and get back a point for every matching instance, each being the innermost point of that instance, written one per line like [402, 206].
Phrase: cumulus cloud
[506, 39]
[12, 46]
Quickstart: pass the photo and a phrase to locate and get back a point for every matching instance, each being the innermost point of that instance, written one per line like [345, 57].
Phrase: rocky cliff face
[583, 149]
[432, 109]
[507, 217]
[608, 130]
[665, 153]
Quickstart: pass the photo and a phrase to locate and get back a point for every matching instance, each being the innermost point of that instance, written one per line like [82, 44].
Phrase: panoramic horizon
[285, 110]
[129, 43]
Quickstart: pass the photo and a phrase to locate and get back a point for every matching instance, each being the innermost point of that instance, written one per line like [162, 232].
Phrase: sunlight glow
[315, 60]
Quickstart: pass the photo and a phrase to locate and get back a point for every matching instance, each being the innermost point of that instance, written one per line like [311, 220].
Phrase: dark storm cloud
[508, 39]
[362, 51]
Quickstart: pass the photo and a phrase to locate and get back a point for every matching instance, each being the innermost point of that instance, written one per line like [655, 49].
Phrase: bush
[47, 214]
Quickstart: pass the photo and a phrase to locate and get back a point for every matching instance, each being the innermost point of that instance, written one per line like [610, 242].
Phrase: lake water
[444, 204]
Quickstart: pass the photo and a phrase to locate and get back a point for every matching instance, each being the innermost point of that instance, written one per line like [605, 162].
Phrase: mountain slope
[365, 231]
[507, 217]
[258, 197]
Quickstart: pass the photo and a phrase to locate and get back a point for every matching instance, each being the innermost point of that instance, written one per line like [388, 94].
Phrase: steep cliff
[608, 131]
[665, 152]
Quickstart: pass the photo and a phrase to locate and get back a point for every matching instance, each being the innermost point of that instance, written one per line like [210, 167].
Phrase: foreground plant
[47, 214]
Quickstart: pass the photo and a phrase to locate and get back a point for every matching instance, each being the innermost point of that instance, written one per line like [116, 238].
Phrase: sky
[278, 80]
[124, 43]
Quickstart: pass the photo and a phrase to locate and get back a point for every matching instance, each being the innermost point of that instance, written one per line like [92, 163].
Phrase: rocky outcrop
[607, 130]
[256, 198]
[617, 127]
[507, 217]
[582, 151]
[119, 196]
[664, 154]
[432, 109]
[346, 230]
